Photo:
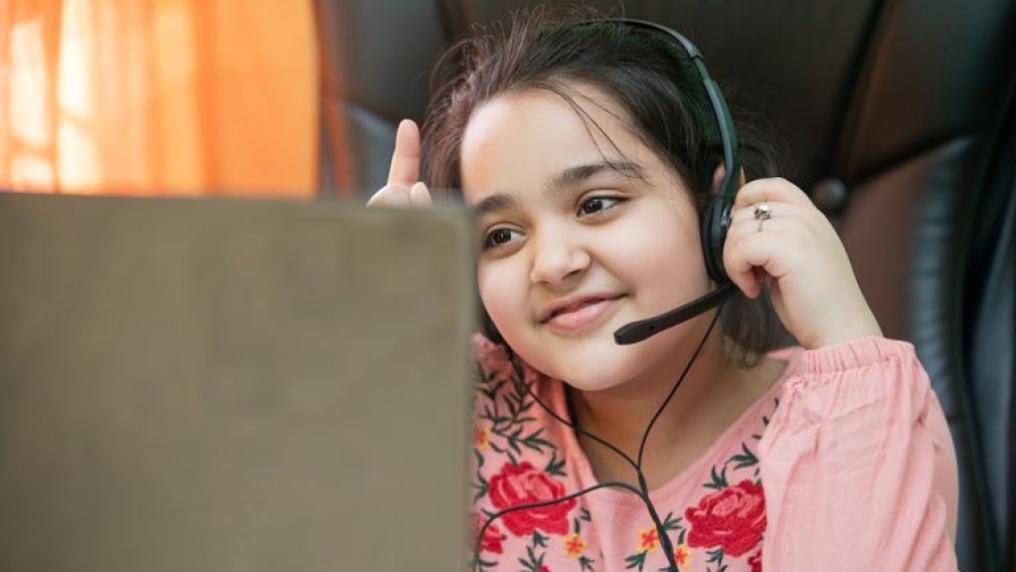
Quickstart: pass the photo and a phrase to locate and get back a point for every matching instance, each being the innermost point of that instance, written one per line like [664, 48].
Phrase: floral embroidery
[517, 462]
[481, 436]
[501, 429]
[522, 484]
[733, 519]
[535, 553]
[492, 537]
[755, 561]
[682, 556]
[585, 563]
[574, 546]
[649, 541]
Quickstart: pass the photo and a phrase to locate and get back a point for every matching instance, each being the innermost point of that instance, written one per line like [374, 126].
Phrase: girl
[588, 155]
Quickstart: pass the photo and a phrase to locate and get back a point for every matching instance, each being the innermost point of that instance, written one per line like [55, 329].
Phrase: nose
[556, 257]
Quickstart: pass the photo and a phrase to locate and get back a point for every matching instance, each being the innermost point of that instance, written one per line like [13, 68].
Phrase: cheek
[657, 255]
[503, 292]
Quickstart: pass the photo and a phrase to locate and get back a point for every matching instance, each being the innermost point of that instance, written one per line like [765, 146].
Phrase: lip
[583, 316]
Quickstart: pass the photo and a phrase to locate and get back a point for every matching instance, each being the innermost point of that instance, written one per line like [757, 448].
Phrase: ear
[718, 175]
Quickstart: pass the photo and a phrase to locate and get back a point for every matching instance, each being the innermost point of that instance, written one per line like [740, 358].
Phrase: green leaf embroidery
[532, 562]
[583, 516]
[510, 402]
[555, 466]
[671, 523]
[719, 481]
[535, 442]
[636, 561]
[481, 490]
[744, 459]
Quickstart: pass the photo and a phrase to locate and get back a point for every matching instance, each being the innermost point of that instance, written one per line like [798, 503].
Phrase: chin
[593, 368]
[595, 381]
[599, 363]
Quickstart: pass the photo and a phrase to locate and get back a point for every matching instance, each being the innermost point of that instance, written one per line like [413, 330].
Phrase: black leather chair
[899, 119]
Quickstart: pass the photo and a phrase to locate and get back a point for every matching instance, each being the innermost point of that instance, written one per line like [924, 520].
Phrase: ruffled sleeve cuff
[851, 354]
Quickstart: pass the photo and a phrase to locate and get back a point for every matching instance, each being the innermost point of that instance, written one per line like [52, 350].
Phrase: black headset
[715, 220]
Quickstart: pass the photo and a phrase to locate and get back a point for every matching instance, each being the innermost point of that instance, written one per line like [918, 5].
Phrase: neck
[620, 414]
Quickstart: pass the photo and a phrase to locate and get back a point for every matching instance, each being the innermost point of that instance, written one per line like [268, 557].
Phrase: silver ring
[763, 212]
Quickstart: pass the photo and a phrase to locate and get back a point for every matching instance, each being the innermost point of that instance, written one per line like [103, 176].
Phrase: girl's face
[563, 212]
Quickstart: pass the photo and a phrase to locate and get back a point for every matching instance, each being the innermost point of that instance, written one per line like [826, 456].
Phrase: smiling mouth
[583, 316]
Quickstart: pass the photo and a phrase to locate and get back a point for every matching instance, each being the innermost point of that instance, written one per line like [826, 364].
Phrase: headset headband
[728, 136]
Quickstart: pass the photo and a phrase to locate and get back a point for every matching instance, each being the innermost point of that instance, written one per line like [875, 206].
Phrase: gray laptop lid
[227, 385]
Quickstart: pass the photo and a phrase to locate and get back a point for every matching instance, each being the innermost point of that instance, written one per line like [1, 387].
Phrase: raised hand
[404, 189]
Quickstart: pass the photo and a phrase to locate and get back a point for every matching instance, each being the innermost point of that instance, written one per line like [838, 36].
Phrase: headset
[714, 223]
[715, 220]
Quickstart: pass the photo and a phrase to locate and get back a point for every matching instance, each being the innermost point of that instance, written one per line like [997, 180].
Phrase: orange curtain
[152, 97]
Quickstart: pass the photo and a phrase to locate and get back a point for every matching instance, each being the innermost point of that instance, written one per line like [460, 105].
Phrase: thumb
[419, 196]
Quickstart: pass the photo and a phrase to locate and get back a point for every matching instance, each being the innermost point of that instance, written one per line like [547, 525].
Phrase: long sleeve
[858, 465]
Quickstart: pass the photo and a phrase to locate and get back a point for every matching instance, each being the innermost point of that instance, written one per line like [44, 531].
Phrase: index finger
[405, 167]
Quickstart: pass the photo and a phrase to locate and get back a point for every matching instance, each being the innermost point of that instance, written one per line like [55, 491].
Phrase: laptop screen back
[214, 385]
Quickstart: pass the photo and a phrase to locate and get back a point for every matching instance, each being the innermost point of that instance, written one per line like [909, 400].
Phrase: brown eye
[593, 205]
[497, 237]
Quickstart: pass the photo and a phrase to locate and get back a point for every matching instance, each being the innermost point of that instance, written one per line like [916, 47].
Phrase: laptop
[221, 384]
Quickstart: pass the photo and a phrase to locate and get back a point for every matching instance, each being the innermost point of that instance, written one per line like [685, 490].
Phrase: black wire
[645, 436]
[642, 492]
[526, 387]
[668, 547]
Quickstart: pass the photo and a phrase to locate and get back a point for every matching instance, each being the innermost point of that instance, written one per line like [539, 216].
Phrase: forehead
[517, 142]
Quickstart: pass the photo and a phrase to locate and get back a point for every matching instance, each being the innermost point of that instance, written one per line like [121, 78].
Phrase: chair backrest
[889, 111]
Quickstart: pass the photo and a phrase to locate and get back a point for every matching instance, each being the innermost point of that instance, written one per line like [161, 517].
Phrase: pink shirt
[845, 464]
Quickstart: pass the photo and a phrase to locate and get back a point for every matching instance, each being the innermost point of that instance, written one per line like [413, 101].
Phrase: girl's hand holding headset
[404, 187]
[800, 256]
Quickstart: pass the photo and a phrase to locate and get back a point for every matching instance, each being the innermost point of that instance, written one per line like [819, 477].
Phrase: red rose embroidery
[732, 518]
[755, 561]
[521, 484]
[492, 537]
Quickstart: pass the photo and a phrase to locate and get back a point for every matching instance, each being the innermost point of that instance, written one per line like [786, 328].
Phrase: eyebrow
[566, 178]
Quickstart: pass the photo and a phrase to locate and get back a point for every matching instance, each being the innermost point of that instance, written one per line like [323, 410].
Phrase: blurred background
[158, 97]
[896, 116]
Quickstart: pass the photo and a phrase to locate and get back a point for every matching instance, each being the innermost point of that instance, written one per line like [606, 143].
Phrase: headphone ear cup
[715, 222]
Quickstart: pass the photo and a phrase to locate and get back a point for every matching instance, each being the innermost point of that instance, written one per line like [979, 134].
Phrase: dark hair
[652, 80]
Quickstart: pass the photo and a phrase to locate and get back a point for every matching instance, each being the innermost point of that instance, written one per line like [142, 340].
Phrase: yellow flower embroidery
[574, 545]
[682, 556]
[481, 437]
[648, 540]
